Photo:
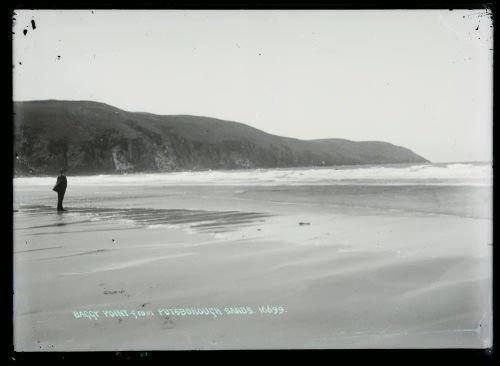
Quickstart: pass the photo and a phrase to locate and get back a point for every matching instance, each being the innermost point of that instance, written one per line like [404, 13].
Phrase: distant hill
[96, 138]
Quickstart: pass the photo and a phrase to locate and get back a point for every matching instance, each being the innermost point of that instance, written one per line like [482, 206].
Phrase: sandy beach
[251, 267]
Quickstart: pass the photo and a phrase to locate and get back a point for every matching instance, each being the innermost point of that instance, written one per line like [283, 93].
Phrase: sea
[457, 189]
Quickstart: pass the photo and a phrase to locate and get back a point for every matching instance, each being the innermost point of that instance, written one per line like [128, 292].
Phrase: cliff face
[95, 138]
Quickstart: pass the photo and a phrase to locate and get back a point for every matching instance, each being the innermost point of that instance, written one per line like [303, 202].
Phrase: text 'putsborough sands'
[182, 312]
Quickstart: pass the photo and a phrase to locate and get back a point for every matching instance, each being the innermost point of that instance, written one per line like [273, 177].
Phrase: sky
[422, 79]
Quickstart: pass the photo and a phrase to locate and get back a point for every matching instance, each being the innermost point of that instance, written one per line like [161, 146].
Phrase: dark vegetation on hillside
[95, 138]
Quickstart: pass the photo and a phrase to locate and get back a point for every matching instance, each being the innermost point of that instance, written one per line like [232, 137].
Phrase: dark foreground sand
[357, 278]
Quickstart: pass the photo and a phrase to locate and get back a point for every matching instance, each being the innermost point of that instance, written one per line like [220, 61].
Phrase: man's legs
[60, 197]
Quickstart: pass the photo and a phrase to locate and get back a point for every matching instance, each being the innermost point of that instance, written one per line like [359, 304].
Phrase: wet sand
[347, 277]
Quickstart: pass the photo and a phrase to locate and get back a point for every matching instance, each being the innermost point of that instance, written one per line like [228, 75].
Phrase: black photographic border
[330, 355]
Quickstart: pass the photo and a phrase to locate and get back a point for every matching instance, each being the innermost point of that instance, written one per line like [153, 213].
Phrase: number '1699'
[276, 310]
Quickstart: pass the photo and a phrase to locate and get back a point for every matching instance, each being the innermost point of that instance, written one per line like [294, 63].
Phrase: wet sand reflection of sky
[202, 221]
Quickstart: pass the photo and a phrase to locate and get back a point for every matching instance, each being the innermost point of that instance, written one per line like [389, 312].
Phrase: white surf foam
[422, 174]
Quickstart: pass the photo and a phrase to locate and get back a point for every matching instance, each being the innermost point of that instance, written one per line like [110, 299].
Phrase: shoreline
[341, 167]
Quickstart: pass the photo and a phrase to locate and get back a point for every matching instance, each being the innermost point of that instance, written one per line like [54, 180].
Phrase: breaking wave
[422, 174]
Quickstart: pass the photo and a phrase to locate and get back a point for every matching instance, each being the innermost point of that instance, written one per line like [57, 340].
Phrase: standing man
[60, 188]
